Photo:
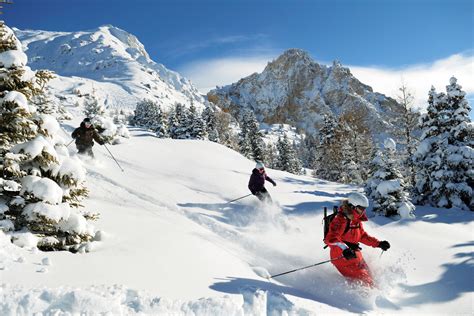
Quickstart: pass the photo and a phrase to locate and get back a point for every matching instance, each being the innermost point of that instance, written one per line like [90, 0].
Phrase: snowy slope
[111, 60]
[171, 245]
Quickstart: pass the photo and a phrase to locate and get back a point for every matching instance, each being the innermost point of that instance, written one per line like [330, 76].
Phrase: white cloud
[206, 74]
[420, 78]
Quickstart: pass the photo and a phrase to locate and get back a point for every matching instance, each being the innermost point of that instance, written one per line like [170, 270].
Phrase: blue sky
[218, 41]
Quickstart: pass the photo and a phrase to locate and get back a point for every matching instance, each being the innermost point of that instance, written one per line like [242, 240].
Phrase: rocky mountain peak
[294, 89]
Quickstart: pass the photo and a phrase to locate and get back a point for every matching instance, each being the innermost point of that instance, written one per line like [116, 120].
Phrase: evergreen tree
[92, 106]
[178, 122]
[328, 151]
[387, 187]
[251, 139]
[286, 159]
[210, 120]
[40, 184]
[444, 156]
[196, 125]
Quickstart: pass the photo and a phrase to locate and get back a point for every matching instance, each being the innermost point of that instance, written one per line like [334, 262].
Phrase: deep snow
[171, 245]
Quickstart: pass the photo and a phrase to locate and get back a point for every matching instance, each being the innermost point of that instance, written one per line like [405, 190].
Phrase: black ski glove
[348, 253]
[385, 245]
[274, 184]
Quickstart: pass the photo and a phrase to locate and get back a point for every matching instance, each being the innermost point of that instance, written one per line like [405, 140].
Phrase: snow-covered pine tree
[92, 106]
[444, 157]
[178, 122]
[161, 124]
[387, 188]
[328, 151]
[140, 117]
[460, 150]
[196, 125]
[251, 140]
[40, 183]
[210, 121]
[286, 159]
[426, 157]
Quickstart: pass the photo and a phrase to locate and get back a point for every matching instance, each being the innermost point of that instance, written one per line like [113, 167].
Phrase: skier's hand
[384, 245]
[253, 192]
[274, 184]
[348, 253]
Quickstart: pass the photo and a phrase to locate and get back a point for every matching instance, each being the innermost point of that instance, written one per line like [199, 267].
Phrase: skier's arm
[368, 240]
[74, 133]
[336, 230]
[97, 138]
[270, 180]
[251, 185]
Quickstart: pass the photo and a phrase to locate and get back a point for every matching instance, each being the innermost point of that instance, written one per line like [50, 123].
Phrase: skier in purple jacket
[257, 183]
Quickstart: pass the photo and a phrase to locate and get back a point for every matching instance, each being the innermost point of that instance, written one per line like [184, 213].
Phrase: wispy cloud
[206, 74]
[420, 78]
[227, 41]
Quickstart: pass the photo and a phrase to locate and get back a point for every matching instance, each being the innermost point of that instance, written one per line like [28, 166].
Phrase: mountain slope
[107, 55]
[170, 239]
[296, 90]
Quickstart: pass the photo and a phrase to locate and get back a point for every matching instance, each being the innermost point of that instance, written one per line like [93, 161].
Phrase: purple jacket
[257, 181]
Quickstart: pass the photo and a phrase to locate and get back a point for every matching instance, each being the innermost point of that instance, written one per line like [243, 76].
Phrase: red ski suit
[356, 268]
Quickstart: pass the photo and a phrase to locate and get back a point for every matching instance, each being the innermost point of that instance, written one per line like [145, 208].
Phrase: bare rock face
[294, 89]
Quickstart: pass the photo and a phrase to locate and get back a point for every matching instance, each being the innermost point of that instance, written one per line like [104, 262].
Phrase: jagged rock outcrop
[296, 90]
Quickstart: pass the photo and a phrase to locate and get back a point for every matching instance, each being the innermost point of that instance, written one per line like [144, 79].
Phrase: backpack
[327, 219]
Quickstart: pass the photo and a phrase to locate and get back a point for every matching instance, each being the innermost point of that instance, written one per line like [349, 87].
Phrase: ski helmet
[259, 165]
[358, 199]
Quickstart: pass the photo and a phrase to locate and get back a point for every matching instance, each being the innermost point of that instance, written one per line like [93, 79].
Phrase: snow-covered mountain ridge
[296, 90]
[109, 60]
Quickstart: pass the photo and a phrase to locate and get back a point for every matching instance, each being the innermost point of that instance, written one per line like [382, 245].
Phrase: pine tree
[92, 107]
[444, 156]
[196, 125]
[40, 183]
[210, 120]
[286, 159]
[328, 151]
[178, 122]
[387, 186]
[251, 139]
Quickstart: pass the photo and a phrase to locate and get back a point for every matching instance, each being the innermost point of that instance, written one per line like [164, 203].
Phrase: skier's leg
[264, 196]
[90, 152]
[355, 269]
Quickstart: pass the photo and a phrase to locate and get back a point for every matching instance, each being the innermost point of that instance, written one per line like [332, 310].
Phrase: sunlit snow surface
[170, 244]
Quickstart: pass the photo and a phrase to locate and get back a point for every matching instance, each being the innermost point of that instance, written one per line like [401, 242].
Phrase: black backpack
[327, 219]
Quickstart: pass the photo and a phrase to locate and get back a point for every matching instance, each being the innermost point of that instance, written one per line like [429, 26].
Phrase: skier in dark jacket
[85, 135]
[257, 183]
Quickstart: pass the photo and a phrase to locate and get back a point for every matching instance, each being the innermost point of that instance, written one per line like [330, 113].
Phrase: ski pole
[313, 265]
[239, 198]
[70, 143]
[113, 158]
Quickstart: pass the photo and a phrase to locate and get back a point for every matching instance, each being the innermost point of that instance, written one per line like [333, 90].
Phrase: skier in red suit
[345, 232]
